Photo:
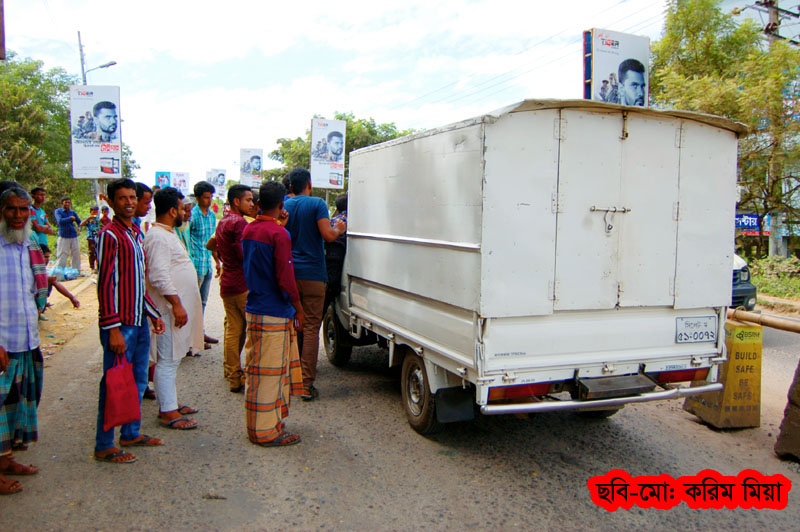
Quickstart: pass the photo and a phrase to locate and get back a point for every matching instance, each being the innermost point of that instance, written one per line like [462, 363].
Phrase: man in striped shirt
[124, 307]
[202, 228]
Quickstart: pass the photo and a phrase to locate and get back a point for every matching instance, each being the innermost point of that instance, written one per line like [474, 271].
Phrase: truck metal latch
[607, 211]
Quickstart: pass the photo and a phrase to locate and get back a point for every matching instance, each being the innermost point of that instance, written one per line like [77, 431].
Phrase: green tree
[709, 62]
[34, 129]
[129, 164]
[360, 132]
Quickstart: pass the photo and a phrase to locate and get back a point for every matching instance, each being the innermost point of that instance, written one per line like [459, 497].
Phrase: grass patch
[777, 276]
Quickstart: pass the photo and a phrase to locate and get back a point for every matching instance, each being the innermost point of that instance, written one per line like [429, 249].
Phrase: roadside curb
[780, 301]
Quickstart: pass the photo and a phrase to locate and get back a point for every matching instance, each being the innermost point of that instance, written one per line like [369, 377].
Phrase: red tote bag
[122, 395]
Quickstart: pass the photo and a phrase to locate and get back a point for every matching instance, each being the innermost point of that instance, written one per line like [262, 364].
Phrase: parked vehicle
[553, 255]
[744, 291]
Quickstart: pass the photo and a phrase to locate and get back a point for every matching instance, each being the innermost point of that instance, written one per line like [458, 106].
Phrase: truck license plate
[697, 329]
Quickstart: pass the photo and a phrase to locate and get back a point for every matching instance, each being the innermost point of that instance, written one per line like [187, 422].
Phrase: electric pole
[2, 33]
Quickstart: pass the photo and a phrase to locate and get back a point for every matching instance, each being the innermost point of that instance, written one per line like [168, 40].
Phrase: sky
[200, 79]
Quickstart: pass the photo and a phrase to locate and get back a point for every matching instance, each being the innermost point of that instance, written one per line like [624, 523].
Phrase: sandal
[187, 410]
[17, 469]
[115, 457]
[142, 441]
[9, 487]
[283, 439]
[172, 424]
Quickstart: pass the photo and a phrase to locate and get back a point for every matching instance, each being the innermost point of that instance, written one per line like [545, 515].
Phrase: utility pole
[777, 244]
[2, 33]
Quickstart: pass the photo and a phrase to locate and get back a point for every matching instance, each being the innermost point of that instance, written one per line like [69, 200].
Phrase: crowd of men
[153, 280]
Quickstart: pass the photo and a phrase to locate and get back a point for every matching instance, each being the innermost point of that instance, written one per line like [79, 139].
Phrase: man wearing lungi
[274, 314]
[23, 293]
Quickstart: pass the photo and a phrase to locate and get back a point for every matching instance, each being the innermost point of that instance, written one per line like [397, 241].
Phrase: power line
[528, 48]
[573, 41]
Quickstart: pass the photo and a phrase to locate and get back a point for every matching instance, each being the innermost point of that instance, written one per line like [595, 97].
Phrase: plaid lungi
[272, 375]
[20, 391]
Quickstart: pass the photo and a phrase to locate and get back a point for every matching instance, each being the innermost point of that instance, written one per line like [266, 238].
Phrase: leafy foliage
[777, 276]
[708, 62]
[35, 145]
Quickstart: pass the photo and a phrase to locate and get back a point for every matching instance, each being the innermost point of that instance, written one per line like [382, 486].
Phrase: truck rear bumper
[546, 406]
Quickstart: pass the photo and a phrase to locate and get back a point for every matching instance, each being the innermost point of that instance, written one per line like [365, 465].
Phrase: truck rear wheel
[335, 339]
[419, 403]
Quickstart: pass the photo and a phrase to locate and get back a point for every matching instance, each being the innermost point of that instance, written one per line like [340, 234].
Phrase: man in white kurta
[172, 285]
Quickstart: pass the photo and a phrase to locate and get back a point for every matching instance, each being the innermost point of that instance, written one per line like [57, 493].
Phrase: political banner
[163, 179]
[95, 132]
[616, 67]
[249, 166]
[180, 180]
[216, 176]
[327, 153]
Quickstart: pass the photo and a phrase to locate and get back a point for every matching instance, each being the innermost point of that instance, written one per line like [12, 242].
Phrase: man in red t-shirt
[232, 286]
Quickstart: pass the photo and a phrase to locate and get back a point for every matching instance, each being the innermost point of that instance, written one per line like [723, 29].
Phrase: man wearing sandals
[124, 307]
[23, 293]
[274, 312]
[172, 284]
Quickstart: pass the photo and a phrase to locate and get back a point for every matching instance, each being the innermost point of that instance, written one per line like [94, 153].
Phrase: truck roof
[589, 105]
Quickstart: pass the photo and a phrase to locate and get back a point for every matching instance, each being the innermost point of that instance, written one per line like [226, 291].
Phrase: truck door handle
[607, 211]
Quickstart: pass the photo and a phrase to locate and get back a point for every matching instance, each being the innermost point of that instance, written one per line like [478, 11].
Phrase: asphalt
[361, 467]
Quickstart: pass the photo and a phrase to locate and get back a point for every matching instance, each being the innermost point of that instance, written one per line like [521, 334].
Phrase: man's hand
[3, 359]
[340, 226]
[284, 217]
[180, 315]
[116, 342]
[299, 320]
[158, 325]
[75, 302]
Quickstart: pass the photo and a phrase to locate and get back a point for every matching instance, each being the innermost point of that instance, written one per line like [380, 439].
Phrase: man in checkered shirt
[203, 227]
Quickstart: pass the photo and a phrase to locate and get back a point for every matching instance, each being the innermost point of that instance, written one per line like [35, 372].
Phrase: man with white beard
[23, 294]
[172, 285]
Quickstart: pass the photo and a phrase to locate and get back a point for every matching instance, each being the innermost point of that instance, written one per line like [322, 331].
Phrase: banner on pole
[180, 180]
[616, 67]
[95, 132]
[327, 153]
[250, 160]
[216, 176]
[163, 179]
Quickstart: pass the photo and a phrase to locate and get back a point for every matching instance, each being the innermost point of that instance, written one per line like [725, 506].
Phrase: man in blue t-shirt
[39, 222]
[69, 225]
[309, 226]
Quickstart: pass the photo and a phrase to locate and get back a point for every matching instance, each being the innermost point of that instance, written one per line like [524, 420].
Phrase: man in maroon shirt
[232, 287]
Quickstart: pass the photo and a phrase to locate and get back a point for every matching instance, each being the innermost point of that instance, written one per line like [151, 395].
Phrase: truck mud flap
[454, 404]
[608, 387]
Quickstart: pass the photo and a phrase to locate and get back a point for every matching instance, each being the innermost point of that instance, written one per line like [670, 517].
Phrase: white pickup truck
[553, 255]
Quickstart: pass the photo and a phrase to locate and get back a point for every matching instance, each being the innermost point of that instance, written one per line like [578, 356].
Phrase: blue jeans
[137, 351]
[205, 286]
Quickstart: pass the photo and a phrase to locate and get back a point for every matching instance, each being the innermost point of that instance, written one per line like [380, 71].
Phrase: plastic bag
[122, 395]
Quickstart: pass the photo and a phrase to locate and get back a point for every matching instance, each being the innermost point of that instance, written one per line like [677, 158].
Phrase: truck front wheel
[419, 403]
[335, 336]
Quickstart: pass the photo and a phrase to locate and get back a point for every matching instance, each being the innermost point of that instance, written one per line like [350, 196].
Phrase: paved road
[361, 467]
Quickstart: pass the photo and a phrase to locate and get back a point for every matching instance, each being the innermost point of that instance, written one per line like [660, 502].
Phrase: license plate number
[698, 329]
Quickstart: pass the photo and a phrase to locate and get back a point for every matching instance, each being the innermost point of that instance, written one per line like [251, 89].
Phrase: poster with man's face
[619, 67]
[327, 153]
[250, 163]
[95, 132]
[216, 176]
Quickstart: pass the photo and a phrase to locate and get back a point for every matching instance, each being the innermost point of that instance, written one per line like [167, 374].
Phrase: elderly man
[23, 293]
[172, 284]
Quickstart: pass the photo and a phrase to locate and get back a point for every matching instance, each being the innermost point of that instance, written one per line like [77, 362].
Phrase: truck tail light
[683, 375]
[515, 392]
